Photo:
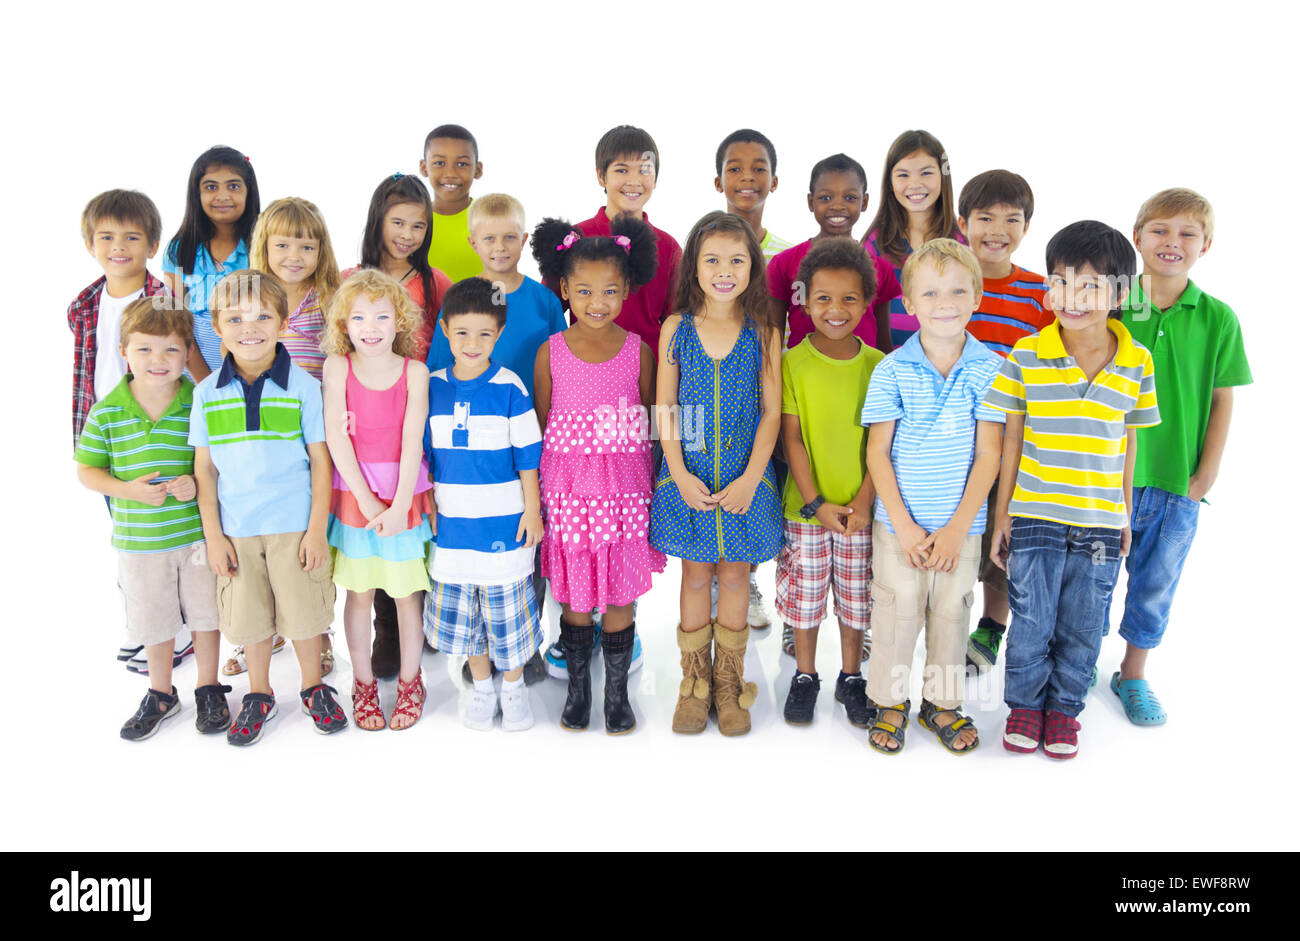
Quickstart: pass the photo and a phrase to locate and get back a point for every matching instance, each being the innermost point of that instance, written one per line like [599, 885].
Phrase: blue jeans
[1163, 526]
[1060, 579]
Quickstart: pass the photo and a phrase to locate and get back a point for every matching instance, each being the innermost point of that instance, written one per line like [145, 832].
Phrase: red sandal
[365, 705]
[410, 701]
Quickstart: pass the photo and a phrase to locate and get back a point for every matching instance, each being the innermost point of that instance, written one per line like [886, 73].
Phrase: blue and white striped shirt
[479, 436]
[934, 430]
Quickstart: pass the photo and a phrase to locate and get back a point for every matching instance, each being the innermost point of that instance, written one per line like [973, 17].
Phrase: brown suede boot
[732, 696]
[694, 696]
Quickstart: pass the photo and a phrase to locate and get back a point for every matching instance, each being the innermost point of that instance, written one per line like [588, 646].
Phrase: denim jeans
[1163, 526]
[1060, 580]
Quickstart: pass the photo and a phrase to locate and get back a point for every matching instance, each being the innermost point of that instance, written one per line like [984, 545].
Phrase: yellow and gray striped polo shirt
[1072, 463]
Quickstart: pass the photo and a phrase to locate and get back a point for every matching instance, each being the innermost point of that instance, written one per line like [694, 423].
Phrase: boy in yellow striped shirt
[1075, 395]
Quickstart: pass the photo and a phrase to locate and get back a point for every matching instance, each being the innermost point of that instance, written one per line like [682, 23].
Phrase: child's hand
[221, 557]
[530, 528]
[143, 490]
[1198, 487]
[370, 505]
[1001, 542]
[183, 488]
[1125, 540]
[834, 517]
[695, 494]
[943, 546]
[737, 495]
[389, 523]
[313, 551]
[910, 540]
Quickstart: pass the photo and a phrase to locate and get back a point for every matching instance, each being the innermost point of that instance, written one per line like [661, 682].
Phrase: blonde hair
[495, 206]
[1175, 202]
[160, 315]
[234, 289]
[939, 252]
[297, 219]
[375, 285]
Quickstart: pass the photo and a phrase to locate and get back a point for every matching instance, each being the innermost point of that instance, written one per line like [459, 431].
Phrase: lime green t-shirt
[827, 395]
[1196, 346]
[449, 248]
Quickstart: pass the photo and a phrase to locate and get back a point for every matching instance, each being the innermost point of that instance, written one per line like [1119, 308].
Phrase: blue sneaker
[558, 667]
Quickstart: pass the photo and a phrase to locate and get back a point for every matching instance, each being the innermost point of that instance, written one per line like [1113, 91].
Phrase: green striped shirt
[120, 436]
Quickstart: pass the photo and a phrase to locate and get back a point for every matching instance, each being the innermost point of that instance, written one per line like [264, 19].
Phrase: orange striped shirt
[1011, 309]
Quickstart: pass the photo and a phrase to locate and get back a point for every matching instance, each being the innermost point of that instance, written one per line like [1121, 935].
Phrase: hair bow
[624, 242]
[569, 239]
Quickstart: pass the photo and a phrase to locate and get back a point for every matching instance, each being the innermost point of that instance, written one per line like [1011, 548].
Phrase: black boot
[577, 641]
[385, 653]
[618, 657]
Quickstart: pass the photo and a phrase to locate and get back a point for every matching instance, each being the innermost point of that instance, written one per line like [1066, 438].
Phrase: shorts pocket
[225, 601]
[884, 609]
[322, 582]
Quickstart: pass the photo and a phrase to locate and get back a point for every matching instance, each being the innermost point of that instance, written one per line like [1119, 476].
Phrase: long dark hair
[889, 228]
[396, 189]
[196, 228]
[755, 302]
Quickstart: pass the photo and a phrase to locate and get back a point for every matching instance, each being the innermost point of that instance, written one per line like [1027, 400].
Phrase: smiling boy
[451, 165]
[746, 175]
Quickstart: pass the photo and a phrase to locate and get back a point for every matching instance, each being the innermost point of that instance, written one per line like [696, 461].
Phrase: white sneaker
[758, 616]
[516, 713]
[482, 710]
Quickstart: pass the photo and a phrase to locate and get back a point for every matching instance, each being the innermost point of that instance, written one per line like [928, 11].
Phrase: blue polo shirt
[257, 436]
[533, 313]
[934, 430]
[199, 284]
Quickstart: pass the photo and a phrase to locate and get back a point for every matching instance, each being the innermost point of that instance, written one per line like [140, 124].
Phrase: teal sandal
[896, 733]
[1140, 703]
[947, 734]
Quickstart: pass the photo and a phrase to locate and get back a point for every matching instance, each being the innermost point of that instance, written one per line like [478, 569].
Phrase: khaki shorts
[271, 594]
[163, 589]
[990, 574]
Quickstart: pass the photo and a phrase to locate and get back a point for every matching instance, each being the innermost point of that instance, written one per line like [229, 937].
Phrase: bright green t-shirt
[1197, 347]
[449, 248]
[827, 395]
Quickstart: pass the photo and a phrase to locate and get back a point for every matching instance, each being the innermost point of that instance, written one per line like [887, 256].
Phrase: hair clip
[398, 175]
[569, 239]
[624, 242]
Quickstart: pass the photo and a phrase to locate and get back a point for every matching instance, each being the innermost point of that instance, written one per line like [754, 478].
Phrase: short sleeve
[1007, 393]
[1231, 367]
[884, 400]
[525, 434]
[1144, 412]
[313, 412]
[778, 282]
[981, 383]
[554, 310]
[788, 404]
[92, 447]
[169, 257]
[198, 418]
[887, 286]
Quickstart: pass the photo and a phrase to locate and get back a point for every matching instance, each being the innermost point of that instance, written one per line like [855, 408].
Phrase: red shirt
[784, 268]
[645, 308]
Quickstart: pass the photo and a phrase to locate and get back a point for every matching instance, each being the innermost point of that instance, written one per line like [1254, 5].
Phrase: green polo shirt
[120, 436]
[1197, 348]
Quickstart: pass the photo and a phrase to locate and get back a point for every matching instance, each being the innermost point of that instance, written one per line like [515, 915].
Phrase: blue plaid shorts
[501, 621]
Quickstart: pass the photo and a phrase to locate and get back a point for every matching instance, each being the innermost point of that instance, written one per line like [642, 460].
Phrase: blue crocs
[1140, 704]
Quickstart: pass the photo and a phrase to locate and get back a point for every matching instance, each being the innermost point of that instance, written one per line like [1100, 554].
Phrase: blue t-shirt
[199, 283]
[532, 314]
[934, 427]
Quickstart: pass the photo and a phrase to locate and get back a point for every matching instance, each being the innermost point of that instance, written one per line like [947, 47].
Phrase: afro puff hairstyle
[557, 253]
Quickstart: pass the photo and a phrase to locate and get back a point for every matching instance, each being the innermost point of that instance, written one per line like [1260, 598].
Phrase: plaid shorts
[812, 561]
[501, 621]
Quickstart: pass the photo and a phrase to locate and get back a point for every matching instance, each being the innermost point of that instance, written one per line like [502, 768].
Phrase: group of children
[891, 418]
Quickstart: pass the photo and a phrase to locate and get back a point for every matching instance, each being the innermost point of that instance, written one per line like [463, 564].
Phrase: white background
[1097, 104]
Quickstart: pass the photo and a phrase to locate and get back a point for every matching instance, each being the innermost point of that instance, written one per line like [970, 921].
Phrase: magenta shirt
[784, 268]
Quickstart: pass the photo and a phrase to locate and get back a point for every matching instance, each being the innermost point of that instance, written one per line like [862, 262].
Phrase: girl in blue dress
[715, 504]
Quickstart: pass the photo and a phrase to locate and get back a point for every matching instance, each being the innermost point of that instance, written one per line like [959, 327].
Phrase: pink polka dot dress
[595, 481]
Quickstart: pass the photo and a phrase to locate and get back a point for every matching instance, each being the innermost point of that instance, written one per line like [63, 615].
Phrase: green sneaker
[985, 642]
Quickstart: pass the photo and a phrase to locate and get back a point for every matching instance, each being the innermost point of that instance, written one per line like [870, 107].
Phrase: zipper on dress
[717, 454]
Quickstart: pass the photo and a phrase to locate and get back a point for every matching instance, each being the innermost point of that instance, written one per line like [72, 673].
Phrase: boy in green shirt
[1195, 341]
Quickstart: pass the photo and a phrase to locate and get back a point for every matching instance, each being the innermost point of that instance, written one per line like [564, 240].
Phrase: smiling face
[1081, 298]
[292, 260]
[746, 176]
[1169, 247]
[722, 268]
[499, 242]
[629, 180]
[471, 338]
[993, 235]
[595, 292]
[405, 226]
[120, 248]
[249, 331]
[836, 302]
[917, 181]
[451, 168]
[372, 326]
[942, 301]
[837, 199]
[222, 195]
[155, 362]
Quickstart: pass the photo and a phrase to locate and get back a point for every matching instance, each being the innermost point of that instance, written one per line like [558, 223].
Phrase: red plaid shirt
[83, 321]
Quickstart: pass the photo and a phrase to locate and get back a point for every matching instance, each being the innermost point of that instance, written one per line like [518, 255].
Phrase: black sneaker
[150, 715]
[802, 700]
[125, 653]
[257, 710]
[213, 713]
[318, 702]
[852, 692]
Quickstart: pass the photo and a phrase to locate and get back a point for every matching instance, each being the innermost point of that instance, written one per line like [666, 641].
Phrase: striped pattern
[1072, 463]
[301, 335]
[773, 245]
[934, 427]
[479, 436]
[1011, 309]
[120, 436]
[200, 281]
